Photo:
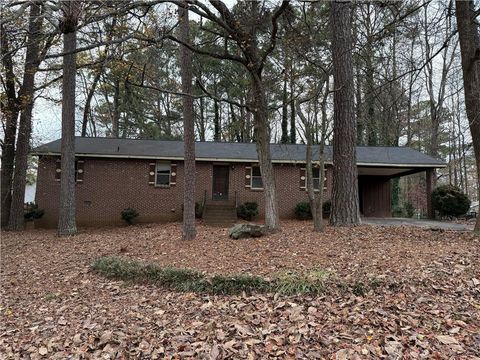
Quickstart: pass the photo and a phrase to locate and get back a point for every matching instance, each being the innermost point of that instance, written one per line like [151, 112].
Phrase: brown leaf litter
[54, 307]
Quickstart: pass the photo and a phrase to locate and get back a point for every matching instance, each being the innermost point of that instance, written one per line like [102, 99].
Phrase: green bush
[32, 212]
[449, 200]
[409, 210]
[303, 211]
[129, 215]
[397, 211]
[247, 211]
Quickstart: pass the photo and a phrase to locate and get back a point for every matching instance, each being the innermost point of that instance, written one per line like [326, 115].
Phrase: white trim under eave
[237, 160]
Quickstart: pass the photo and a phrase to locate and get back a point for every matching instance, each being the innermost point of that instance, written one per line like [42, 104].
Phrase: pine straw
[52, 302]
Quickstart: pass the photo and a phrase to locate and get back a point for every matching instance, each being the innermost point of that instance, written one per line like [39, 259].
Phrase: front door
[220, 182]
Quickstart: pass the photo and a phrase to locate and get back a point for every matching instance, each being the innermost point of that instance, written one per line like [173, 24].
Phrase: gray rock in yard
[243, 231]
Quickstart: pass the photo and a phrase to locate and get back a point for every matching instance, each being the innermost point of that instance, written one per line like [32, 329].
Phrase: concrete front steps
[219, 213]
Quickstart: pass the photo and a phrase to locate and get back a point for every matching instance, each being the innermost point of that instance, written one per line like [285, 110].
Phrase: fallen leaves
[420, 296]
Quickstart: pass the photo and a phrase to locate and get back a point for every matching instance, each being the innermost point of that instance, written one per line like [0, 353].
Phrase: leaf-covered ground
[421, 300]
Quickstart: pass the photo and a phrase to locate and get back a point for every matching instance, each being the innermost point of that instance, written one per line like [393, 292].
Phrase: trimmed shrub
[303, 211]
[449, 200]
[32, 212]
[247, 211]
[129, 215]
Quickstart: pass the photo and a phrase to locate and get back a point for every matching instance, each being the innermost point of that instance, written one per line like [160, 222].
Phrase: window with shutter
[79, 170]
[162, 174]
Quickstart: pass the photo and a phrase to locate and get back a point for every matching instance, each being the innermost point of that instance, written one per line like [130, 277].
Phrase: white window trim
[251, 179]
[169, 174]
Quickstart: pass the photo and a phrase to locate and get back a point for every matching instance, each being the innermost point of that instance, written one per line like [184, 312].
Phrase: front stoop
[220, 213]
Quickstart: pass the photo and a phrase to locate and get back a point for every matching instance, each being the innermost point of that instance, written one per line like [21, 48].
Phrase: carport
[374, 178]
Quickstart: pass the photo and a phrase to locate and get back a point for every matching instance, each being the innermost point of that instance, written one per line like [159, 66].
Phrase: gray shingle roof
[130, 148]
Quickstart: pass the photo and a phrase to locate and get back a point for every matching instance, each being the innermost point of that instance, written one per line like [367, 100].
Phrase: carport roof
[235, 152]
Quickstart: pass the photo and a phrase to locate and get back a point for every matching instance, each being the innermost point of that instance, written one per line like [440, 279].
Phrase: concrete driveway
[424, 223]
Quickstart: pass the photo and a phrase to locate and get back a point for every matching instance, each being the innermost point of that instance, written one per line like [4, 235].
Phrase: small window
[257, 182]
[162, 174]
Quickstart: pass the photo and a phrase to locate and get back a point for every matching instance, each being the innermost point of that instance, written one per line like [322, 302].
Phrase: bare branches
[210, 95]
[273, 37]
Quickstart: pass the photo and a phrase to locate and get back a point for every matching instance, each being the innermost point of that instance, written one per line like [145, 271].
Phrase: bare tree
[68, 26]
[315, 198]
[345, 206]
[26, 100]
[469, 35]
[189, 231]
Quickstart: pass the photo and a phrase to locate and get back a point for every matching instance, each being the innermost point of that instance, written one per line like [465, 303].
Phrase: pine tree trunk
[262, 139]
[66, 219]
[26, 98]
[10, 112]
[345, 207]
[285, 136]
[189, 231]
[469, 36]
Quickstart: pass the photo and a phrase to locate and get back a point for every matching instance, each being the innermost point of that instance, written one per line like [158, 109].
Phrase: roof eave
[180, 158]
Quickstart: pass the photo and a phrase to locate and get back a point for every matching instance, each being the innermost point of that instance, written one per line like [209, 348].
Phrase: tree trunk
[345, 207]
[88, 101]
[262, 139]
[293, 126]
[26, 98]
[216, 121]
[469, 36]
[10, 111]
[189, 231]
[285, 136]
[116, 110]
[66, 217]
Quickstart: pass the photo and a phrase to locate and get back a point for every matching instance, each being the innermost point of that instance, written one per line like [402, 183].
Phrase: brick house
[147, 175]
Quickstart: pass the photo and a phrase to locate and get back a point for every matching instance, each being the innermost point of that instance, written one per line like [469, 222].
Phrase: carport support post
[430, 173]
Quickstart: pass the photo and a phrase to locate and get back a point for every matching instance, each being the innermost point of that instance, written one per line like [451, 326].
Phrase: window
[162, 174]
[256, 178]
[316, 178]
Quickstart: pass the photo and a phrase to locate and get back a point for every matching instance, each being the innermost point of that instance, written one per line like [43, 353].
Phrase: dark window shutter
[80, 170]
[248, 176]
[173, 174]
[151, 173]
[303, 178]
[58, 170]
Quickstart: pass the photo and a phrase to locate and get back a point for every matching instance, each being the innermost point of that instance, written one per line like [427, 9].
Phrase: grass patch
[313, 282]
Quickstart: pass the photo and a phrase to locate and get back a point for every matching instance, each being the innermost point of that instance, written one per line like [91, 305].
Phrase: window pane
[257, 182]
[316, 183]
[163, 179]
[316, 172]
[256, 171]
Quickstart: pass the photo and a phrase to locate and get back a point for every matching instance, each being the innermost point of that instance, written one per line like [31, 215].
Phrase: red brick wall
[111, 185]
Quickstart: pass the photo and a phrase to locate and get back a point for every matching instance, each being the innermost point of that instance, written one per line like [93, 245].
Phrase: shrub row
[186, 280]
[304, 212]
